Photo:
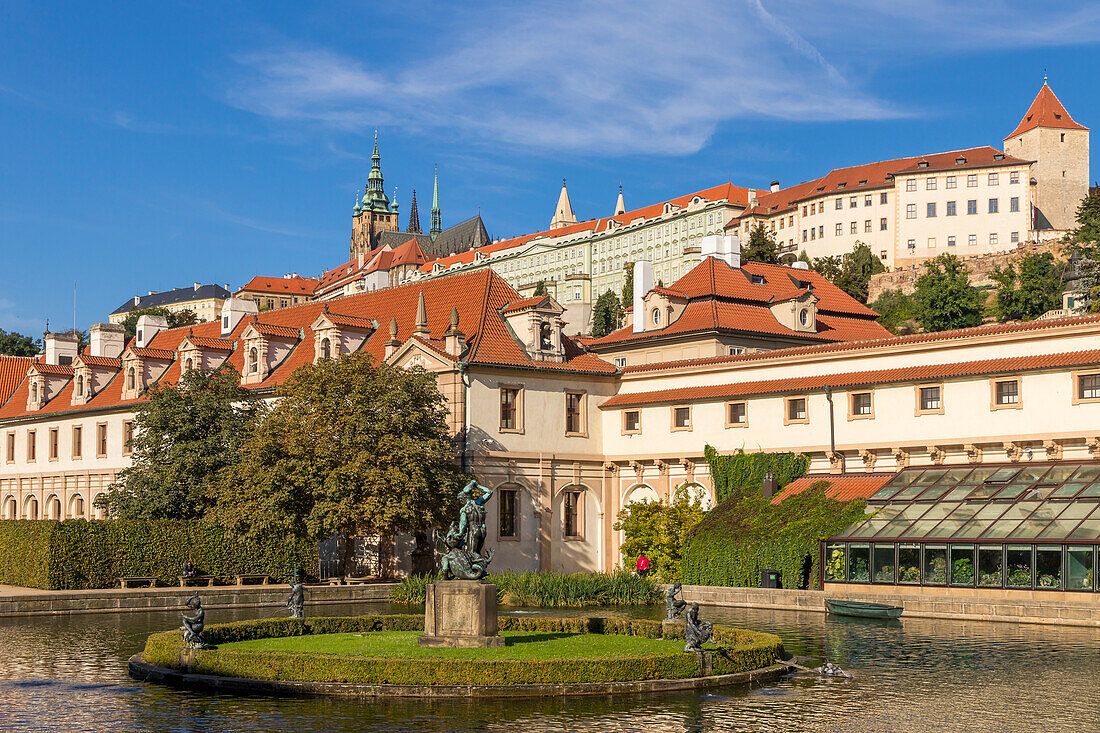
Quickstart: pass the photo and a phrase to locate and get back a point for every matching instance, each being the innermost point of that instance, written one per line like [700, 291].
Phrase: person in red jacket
[642, 568]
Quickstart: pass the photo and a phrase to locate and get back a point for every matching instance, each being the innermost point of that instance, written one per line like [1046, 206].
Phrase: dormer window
[922, 164]
[804, 317]
[326, 349]
[188, 365]
[757, 280]
[960, 161]
[78, 389]
[546, 341]
[998, 156]
[253, 361]
[34, 393]
[131, 378]
[656, 316]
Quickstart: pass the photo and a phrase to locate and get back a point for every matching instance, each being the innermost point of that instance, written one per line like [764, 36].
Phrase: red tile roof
[13, 369]
[150, 353]
[1045, 111]
[873, 343]
[924, 373]
[215, 344]
[274, 329]
[101, 361]
[842, 487]
[523, 303]
[478, 296]
[349, 321]
[296, 285]
[725, 299]
[56, 369]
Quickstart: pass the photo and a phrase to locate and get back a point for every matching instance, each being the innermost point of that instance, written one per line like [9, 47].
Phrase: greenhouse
[1021, 527]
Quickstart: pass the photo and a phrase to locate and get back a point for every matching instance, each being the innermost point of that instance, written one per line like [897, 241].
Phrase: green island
[383, 650]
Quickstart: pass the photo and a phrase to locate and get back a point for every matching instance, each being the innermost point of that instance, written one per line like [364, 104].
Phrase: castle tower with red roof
[1060, 148]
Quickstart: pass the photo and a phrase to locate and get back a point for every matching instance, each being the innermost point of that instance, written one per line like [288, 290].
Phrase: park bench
[245, 579]
[129, 581]
[207, 580]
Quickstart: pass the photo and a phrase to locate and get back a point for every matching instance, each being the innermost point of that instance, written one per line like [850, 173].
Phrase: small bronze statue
[462, 547]
[193, 625]
[297, 600]
[696, 632]
[675, 605]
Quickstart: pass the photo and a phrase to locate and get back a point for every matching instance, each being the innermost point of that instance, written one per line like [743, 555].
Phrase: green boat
[862, 609]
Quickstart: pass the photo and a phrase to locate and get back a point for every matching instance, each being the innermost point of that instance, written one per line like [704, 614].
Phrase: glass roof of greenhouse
[1042, 502]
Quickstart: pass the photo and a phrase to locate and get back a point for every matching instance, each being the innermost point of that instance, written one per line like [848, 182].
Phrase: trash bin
[769, 578]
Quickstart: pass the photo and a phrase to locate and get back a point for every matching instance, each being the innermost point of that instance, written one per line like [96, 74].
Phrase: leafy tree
[352, 446]
[81, 337]
[943, 298]
[628, 286]
[895, 309]
[175, 318]
[540, 289]
[827, 267]
[856, 269]
[607, 314]
[803, 257]
[1088, 221]
[1085, 240]
[184, 435]
[16, 344]
[1031, 293]
[658, 529]
[762, 246]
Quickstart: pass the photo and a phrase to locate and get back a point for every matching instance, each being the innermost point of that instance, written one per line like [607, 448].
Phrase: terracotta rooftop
[842, 487]
[215, 344]
[794, 385]
[295, 285]
[1045, 111]
[13, 369]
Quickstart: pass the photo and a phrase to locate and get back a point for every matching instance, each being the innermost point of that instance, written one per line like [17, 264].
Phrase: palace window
[510, 409]
[867, 225]
[632, 421]
[861, 404]
[253, 361]
[78, 442]
[11, 448]
[1088, 387]
[127, 437]
[993, 206]
[882, 224]
[928, 399]
[949, 182]
[681, 418]
[839, 204]
[53, 444]
[101, 440]
[852, 202]
[867, 200]
[912, 244]
[131, 378]
[972, 180]
[1014, 237]
[737, 414]
[796, 410]
[993, 179]
[326, 349]
[950, 209]
[930, 184]
[882, 197]
[508, 515]
[1014, 204]
[1014, 177]
[32, 446]
[853, 227]
[839, 229]
[972, 240]
[951, 241]
[571, 511]
[78, 389]
[910, 211]
[972, 206]
[1006, 392]
[574, 413]
[911, 184]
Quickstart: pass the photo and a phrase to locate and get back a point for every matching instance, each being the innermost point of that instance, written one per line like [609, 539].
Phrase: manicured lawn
[520, 645]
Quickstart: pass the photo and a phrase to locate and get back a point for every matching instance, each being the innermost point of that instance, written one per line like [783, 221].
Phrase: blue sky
[146, 146]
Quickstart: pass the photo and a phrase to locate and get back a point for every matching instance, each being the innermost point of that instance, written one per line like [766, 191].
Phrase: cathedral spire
[437, 217]
[563, 214]
[375, 199]
[414, 217]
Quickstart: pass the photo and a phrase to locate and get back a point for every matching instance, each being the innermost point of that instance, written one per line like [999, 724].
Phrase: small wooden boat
[862, 609]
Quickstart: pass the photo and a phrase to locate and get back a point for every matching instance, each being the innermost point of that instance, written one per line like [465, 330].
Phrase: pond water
[69, 674]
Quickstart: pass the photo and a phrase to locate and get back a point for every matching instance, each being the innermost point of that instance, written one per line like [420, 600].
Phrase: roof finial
[421, 316]
[1044, 77]
[393, 328]
[454, 318]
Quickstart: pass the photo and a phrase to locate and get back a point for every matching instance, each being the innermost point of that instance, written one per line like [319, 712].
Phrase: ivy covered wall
[34, 553]
[740, 472]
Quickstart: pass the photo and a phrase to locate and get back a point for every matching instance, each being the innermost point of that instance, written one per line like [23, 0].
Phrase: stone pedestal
[460, 613]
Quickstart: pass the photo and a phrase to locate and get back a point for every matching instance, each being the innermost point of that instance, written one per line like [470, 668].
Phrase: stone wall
[980, 266]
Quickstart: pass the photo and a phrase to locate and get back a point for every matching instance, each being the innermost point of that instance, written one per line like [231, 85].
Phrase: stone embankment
[1025, 607]
[980, 266]
[30, 602]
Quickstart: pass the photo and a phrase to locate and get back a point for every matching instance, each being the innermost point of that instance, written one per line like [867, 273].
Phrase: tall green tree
[943, 297]
[175, 318]
[540, 289]
[856, 269]
[351, 446]
[16, 344]
[827, 267]
[1085, 241]
[628, 287]
[895, 309]
[607, 314]
[761, 246]
[184, 435]
[1032, 291]
[1088, 221]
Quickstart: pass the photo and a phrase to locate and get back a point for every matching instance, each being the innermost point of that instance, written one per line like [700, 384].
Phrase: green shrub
[551, 590]
[742, 650]
[740, 473]
[98, 553]
[747, 533]
[657, 530]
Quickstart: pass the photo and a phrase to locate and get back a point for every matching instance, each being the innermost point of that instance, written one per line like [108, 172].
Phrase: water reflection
[69, 673]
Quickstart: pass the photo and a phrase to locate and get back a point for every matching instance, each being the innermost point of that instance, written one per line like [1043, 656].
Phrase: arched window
[545, 343]
[131, 378]
[189, 364]
[79, 388]
[253, 361]
[656, 316]
[326, 349]
[34, 391]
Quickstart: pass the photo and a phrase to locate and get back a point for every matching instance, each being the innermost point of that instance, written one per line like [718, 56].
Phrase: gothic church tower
[373, 214]
[1060, 148]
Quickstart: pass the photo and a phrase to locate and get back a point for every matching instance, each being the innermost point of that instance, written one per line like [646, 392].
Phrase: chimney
[148, 327]
[60, 348]
[643, 283]
[775, 186]
[106, 339]
[233, 310]
[725, 247]
[769, 485]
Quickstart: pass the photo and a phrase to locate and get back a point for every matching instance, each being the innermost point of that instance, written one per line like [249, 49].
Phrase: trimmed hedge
[35, 552]
[744, 650]
[551, 589]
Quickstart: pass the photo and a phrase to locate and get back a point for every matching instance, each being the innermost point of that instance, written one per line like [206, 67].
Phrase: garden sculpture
[464, 556]
[675, 605]
[696, 632]
[193, 625]
[297, 600]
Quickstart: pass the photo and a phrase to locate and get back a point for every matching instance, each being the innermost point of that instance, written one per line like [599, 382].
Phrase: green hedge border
[747, 650]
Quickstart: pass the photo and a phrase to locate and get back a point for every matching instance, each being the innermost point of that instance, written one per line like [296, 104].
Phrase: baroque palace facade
[568, 431]
[967, 202]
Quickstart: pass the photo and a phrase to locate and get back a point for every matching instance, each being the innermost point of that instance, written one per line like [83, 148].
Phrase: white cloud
[630, 77]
